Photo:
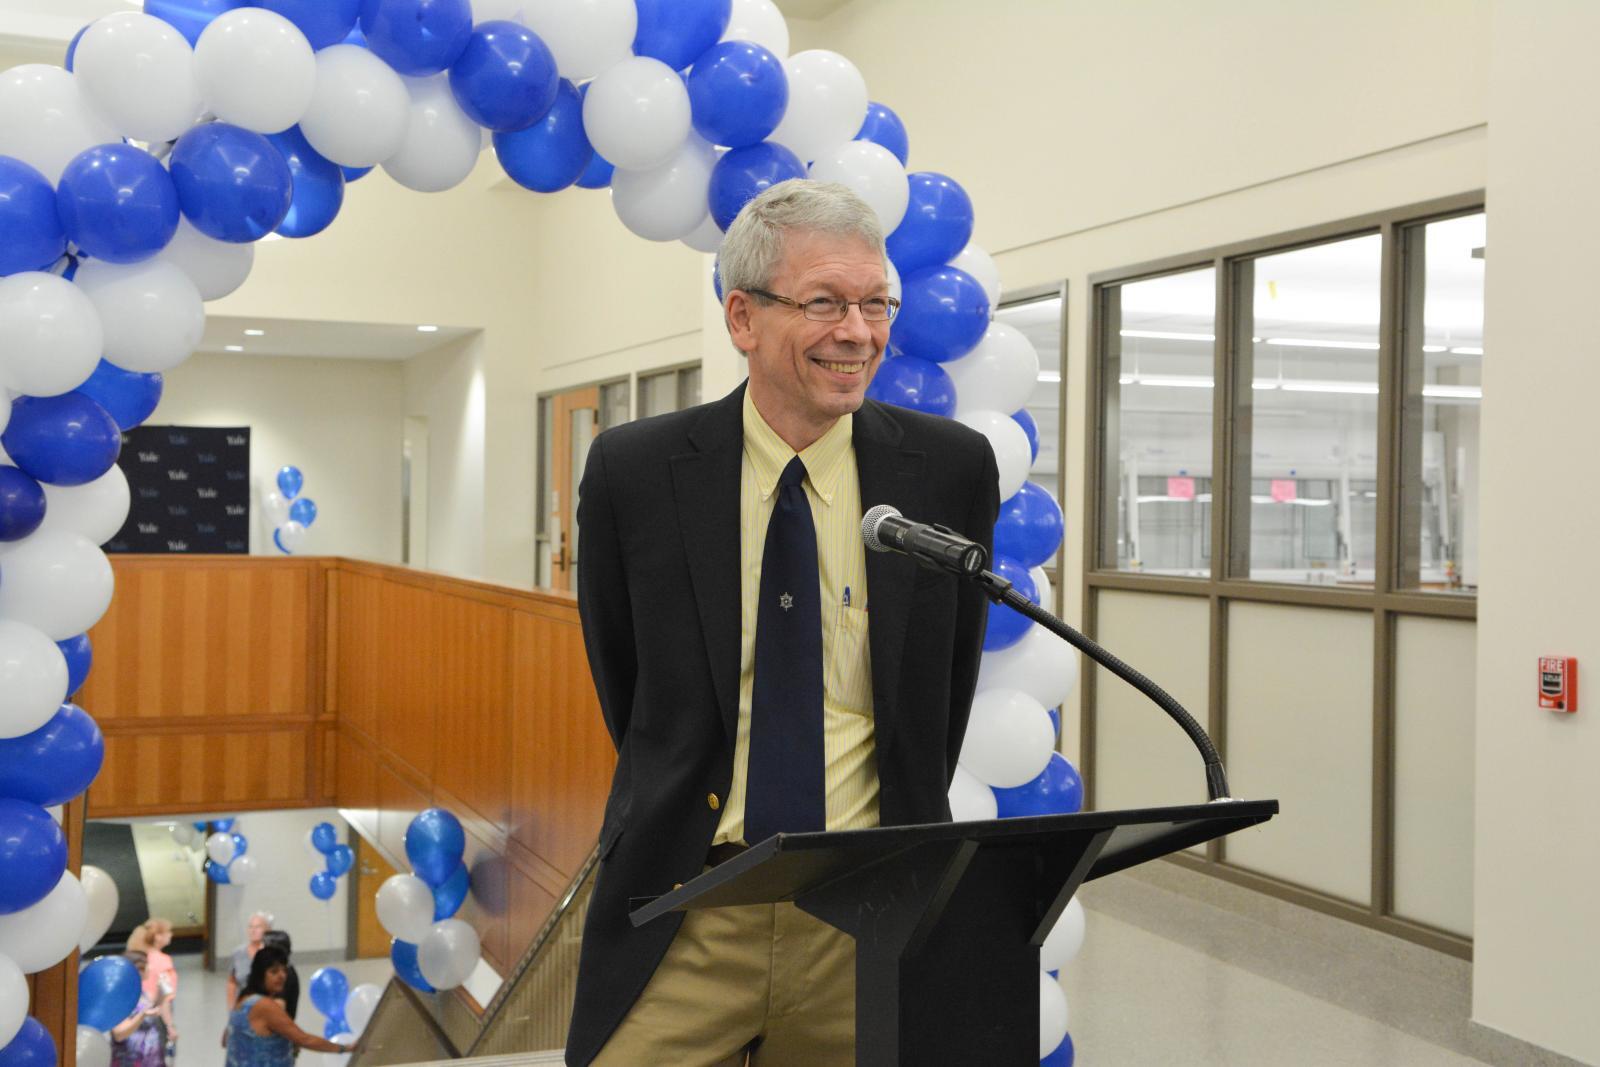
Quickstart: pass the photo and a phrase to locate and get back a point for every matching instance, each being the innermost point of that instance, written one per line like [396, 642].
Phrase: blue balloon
[33, 853]
[80, 657]
[323, 885]
[318, 185]
[117, 203]
[217, 873]
[435, 843]
[329, 990]
[403, 954]
[937, 223]
[1056, 791]
[742, 174]
[324, 837]
[448, 898]
[233, 185]
[506, 79]
[1007, 626]
[222, 826]
[32, 1047]
[340, 858]
[72, 48]
[21, 504]
[200, 826]
[31, 237]
[716, 277]
[737, 93]
[597, 175]
[324, 22]
[108, 992]
[189, 17]
[1029, 527]
[552, 153]
[354, 174]
[1024, 419]
[289, 481]
[1055, 718]
[128, 396]
[277, 541]
[883, 127]
[417, 37]
[918, 384]
[1060, 1056]
[241, 845]
[54, 763]
[303, 510]
[61, 440]
[334, 1025]
[677, 31]
[944, 313]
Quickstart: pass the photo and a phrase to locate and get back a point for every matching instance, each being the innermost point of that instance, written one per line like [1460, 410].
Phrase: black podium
[948, 918]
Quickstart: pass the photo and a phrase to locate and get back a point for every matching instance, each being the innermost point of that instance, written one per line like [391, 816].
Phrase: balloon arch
[134, 182]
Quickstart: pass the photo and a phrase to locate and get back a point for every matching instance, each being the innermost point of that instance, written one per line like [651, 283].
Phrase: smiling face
[805, 375]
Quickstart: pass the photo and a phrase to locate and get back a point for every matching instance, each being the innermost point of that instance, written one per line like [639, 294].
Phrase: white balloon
[182, 833]
[666, 202]
[276, 506]
[151, 312]
[5, 411]
[441, 143]
[338, 1059]
[95, 509]
[1009, 738]
[873, 173]
[33, 678]
[970, 799]
[94, 1047]
[255, 69]
[45, 119]
[1052, 1014]
[706, 237]
[1041, 665]
[1012, 454]
[448, 954]
[636, 113]
[50, 337]
[827, 103]
[139, 73]
[57, 582]
[894, 277]
[216, 267]
[1041, 582]
[243, 870]
[291, 535]
[360, 1004]
[360, 109]
[585, 36]
[761, 22]
[1061, 945]
[13, 1000]
[41, 936]
[998, 374]
[405, 907]
[978, 263]
[101, 893]
[219, 846]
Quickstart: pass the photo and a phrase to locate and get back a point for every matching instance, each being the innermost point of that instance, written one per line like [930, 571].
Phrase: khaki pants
[765, 979]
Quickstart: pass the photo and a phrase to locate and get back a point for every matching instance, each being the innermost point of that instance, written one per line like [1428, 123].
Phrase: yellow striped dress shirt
[833, 488]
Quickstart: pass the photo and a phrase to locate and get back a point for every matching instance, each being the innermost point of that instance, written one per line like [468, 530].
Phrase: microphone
[884, 529]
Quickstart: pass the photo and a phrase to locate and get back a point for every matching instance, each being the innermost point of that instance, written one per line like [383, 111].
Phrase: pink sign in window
[1283, 490]
[1180, 488]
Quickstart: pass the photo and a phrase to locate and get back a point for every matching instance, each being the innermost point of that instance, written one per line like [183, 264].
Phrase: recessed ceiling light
[255, 333]
[427, 329]
[234, 348]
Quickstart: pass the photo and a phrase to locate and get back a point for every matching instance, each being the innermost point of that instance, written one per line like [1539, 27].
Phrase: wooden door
[576, 418]
[371, 871]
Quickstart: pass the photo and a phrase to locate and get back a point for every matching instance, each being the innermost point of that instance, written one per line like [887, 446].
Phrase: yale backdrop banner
[189, 488]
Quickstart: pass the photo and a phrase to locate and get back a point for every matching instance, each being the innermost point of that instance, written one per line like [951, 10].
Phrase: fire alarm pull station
[1558, 683]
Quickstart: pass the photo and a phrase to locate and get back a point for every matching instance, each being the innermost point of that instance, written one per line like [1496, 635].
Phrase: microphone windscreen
[870, 523]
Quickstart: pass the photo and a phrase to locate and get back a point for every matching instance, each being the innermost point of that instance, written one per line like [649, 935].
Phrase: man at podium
[758, 673]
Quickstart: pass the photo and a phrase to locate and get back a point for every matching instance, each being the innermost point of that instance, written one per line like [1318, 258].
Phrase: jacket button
[712, 802]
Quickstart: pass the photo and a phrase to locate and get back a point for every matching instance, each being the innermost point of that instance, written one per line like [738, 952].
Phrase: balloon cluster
[289, 513]
[347, 1010]
[431, 949]
[227, 861]
[337, 858]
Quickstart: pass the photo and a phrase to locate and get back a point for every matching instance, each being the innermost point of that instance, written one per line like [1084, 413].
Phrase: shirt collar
[769, 453]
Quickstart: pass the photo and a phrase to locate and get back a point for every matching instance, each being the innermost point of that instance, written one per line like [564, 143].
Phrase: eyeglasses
[832, 309]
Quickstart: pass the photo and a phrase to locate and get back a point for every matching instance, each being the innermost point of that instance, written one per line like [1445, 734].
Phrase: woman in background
[160, 976]
[260, 1032]
[279, 939]
[140, 1039]
[239, 973]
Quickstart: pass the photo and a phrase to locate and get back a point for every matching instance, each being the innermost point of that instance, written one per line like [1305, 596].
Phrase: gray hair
[754, 245]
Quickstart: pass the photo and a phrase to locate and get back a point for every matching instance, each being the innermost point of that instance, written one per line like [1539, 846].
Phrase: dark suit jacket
[659, 594]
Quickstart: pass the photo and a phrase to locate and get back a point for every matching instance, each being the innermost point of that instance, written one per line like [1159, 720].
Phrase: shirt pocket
[849, 677]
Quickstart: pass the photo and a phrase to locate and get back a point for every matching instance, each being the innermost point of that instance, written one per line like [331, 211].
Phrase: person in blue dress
[260, 1032]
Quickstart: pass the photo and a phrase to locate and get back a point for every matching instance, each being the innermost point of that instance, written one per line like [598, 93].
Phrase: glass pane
[1444, 389]
[688, 388]
[1160, 356]
[1040, 322]
[613, 405]
[658, 394]
[1308, 426]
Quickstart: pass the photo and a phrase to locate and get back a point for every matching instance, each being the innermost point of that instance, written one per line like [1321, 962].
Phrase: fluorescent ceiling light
[1263, 384]
[1053, 377]
[1168, 335]
[1454, 392]
[1352, 388]
[1311, 342]
[427, 329]
[234, 348]
[1467, 351]
[1176, 381]
[1434, 348]
[1300, 501]
[255, 333]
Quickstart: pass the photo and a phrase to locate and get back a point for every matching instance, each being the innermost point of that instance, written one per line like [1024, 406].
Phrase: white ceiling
[324, 340]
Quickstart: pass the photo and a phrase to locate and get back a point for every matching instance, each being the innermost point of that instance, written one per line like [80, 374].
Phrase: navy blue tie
[784, 777]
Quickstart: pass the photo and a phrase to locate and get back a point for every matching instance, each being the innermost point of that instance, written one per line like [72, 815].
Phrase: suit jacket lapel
[706, 490]
[889, 475]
